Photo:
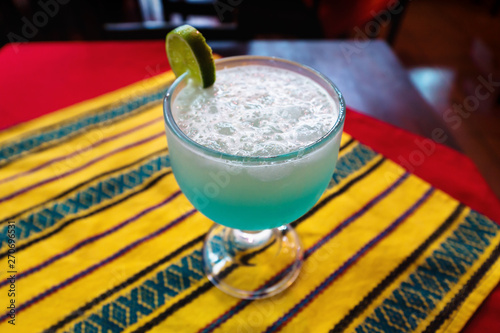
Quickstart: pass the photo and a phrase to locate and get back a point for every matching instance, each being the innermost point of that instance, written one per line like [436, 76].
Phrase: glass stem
[250, 240]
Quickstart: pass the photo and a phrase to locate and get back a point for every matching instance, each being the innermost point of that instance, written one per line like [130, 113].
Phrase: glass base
[252, 264]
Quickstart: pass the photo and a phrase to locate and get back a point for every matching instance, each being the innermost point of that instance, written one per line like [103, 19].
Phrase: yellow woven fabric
[102, 239]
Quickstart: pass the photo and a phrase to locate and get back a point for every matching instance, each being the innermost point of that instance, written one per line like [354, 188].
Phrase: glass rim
[170, 121]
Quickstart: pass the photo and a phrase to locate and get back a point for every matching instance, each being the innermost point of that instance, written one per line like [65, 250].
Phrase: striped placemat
[97, 237]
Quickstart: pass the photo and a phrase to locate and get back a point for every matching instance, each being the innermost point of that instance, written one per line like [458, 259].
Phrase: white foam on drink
[255, 111]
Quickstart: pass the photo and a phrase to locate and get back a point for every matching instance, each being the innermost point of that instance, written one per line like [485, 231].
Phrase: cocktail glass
[252, 251]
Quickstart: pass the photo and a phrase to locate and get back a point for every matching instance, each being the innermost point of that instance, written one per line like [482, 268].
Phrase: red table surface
[38, 78]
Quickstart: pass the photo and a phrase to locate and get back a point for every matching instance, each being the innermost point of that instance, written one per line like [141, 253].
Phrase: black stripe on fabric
[86, 182]
[80, 311]
[400, 269]
[347, 144]
[342, 190]
[208, 285]
[56, 142]
[100, 209]
[466, 290]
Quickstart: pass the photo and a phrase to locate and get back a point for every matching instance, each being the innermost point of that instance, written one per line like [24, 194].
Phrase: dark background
[220, 19]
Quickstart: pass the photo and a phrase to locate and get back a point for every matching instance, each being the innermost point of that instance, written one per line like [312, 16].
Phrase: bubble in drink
[256, 110]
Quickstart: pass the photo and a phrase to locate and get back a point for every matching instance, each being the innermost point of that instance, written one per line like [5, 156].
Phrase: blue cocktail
[254, 153]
